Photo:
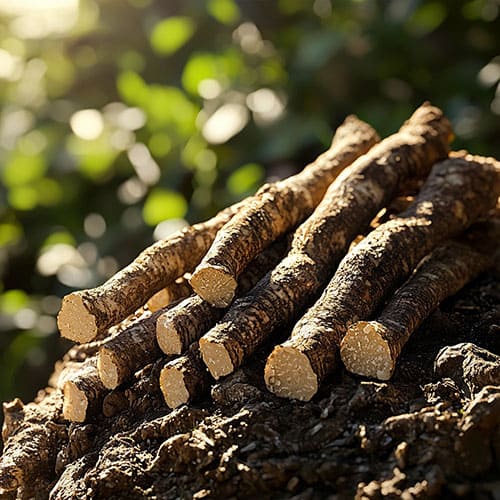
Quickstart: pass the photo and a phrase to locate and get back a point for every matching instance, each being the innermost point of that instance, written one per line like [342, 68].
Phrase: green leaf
[132, 88]
[292, 6]
[201, 66]
[9, 234]
[163, 204]
[170, 106]
[23, 169]
[23, 197]
[132, 60]
[245, 179]
[59, 237]
[427, 18]
[160, 144]
[12, 301]
[171, 34]
[95, 158]
[49, 192]
[225, 11]
[204, 65]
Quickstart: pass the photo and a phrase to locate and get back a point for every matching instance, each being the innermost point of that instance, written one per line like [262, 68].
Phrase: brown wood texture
[274, 210]
[458, 192]
[87, 313]
[371, 348]
[347, 208]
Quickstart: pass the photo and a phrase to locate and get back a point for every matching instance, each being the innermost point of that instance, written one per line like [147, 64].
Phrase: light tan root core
[288, 374]
[74, 320]
[173, 387]
[75, 403]
[107, 365]
[167, 336]
[216, 358]
[365, 352]
[209, 282]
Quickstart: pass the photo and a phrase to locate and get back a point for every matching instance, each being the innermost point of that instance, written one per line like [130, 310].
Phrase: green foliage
[225, 11]
[12, 301]
[132, 88]
[162, 204]
[245, 179]
[9, 234]
[105, 119]
[171, 34]
[427, 18]
[23, 169]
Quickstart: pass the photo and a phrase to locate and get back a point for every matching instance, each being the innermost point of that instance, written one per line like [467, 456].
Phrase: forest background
[121, 121]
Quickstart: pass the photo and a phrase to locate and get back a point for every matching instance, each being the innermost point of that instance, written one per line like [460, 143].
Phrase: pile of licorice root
[354, 252]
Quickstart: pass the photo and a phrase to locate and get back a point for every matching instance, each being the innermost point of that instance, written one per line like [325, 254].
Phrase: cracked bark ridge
[184, 379]
[86, 313]
[458, 192]
[83, 392]
[180, 326]
[274, 210]
[130, 350]
[469, 366]
[371, 348]
[347, 208]
[179, 289]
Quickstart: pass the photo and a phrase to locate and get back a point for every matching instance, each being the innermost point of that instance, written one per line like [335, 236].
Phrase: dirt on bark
[432, 431]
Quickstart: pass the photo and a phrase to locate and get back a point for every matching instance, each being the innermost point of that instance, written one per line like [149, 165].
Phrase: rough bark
[458, 192]
[31, 434]
[86, 313]
[183, 379]
[347, 208]
[274, 210]
[83, 391]
[179, 326]
[371, 348]
[129, 351]
[179, 289]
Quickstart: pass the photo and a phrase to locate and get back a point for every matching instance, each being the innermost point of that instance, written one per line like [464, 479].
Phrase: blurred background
[121, 121]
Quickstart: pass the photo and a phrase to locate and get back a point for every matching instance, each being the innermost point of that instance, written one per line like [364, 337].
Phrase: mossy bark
[86, 313]
[458, 192]
[273, 211]
[371, 348]
[178, 327]
[347, 208]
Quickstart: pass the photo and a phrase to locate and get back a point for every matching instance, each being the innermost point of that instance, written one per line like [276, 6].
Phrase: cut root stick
[273, 211]
[87, 313]
[458, 192]
[178, 327]
[83, 392]
[121, 356]
[318, 245]
[184, 379]
[179, 289]
[371, 348]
